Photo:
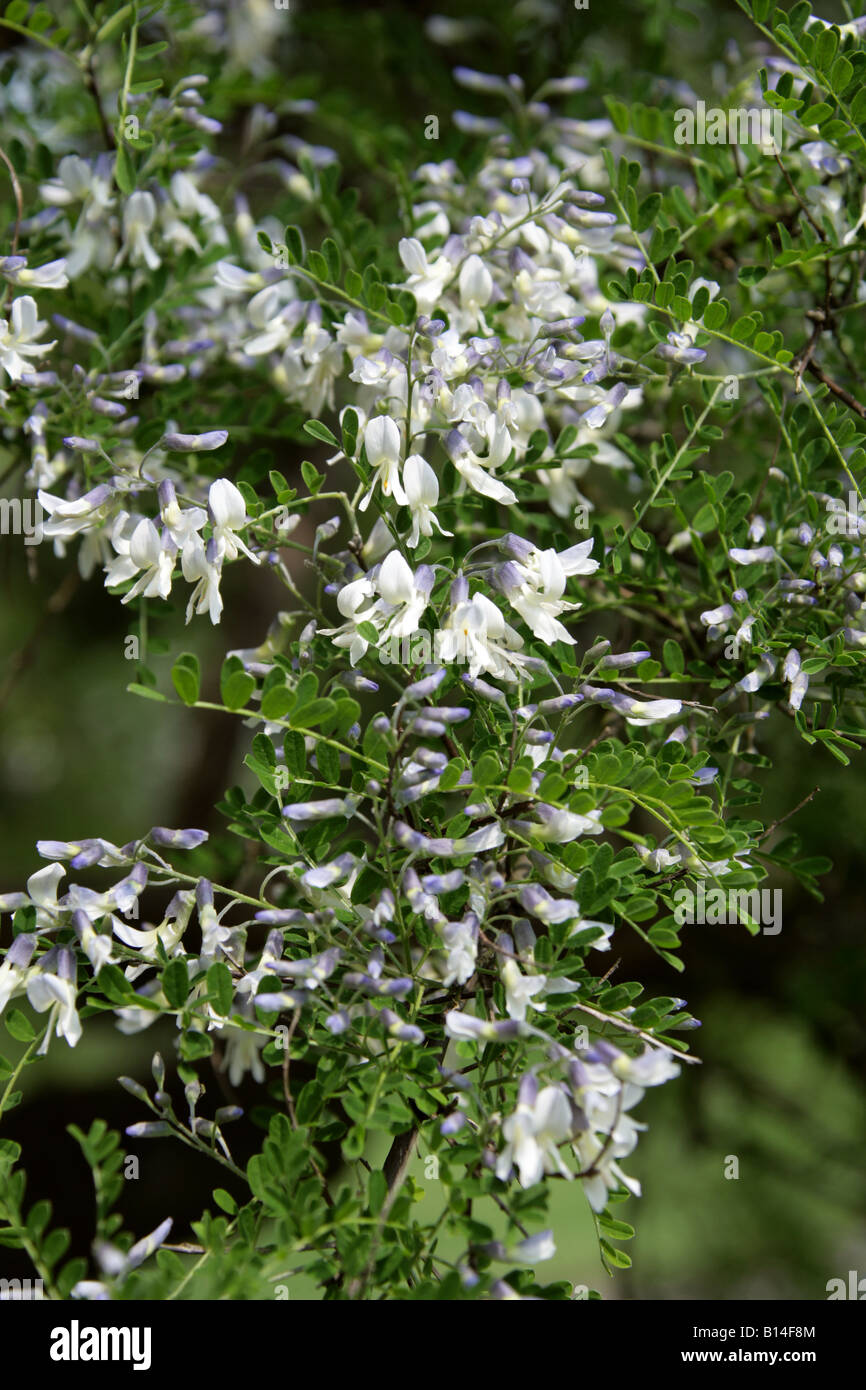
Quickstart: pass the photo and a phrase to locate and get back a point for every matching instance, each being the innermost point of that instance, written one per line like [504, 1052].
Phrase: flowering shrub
[583, 514]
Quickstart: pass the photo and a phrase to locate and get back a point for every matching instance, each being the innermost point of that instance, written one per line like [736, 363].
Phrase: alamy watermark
[855, 1288]
[740, 125]
[26, 1290]
[720, 907]
[21, 518]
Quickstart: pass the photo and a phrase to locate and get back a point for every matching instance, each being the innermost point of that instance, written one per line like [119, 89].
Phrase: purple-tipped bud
[423, 689]
[488, 692]
[315, 810]
[453, 1123]
[20, 952]
[81, 445]
[195, 443]
[443, 714]
[559, 703]
[178, 839]
[625, 660]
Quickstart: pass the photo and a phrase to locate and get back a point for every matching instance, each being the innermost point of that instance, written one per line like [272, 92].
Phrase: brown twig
[837, 390]
[781, 821]
[790, 182]
[93, 89]
[290, 1105]
[19, 212]
[19, 201]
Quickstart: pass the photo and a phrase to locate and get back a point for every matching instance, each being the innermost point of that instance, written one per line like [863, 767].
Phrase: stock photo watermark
[740, 125]
[22, 518]
[734, 906]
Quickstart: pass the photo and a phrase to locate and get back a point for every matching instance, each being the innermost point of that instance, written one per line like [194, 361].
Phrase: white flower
[181, 525]
[242, 1054]
[461, 942]
[479, 472]
[560, 826]
[422, 493]
[476, 632]
[520, 990]
[534, 1249]
[51, 276]
[42, 893]
[351, 601]
[147, 552]
[645, 712]
[46, 990]
[383, 445]
[122, 567]
[148, 940]
[228, 513]
[70, 519]
[139, 216]
[476, 288]
[403, 597]
[95, 945]
[18, 338]
[426, 280]
[533, 1133]
[535, 584]
[186, 203]
[16, 969]
[268, 314]
[92, 241]
[202, 567]
[395, 613]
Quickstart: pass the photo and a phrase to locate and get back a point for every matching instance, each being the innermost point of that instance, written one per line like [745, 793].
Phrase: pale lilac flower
[19, 335]
[422, 494]
[533, 1134]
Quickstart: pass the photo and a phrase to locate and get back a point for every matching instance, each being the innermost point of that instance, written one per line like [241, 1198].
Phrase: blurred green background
[783, 1042]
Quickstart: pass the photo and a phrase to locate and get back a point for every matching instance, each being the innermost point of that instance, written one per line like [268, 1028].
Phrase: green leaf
[350, 431]
[715, 315]
[648, 211]
[236, 687]
[19, 1026]
[318, 266]
[328, 760]
[673, 657]
[321, 432]
[614, 1256]
[294, 244]
[353, 1144]
[618, 114]
[311, 475]
[220, 985]
[378, 1188]
[175, 983]
[113, 24]
[124, 170]
[146, 691]
[114, 985]
[225, 1201]
[310, 714]
[277, 702]
[296, 754]
[840, 74]
[332, 255]
[186, 677]
[486, 770]
[193, 1046]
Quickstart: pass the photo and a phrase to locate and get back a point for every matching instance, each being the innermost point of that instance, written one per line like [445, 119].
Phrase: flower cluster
[480, 733]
